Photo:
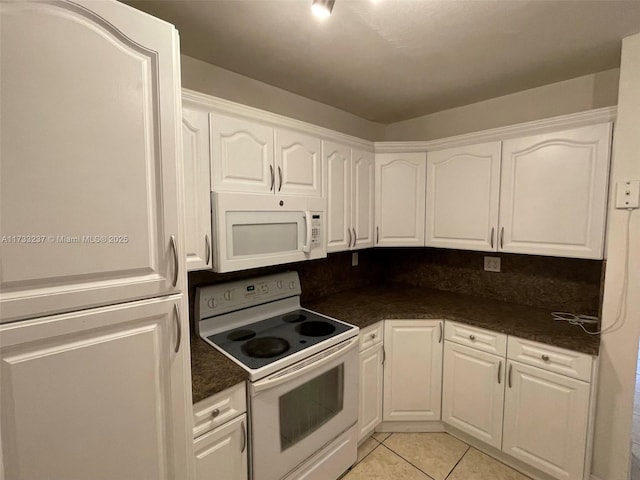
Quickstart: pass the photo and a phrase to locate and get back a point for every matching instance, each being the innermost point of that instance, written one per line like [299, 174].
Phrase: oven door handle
[295, 371]
[306, 248]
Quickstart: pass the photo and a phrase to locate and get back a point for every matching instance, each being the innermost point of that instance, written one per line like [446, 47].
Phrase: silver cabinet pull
[176, 265]
[472, 337]
[502, 237]
[215, 412]
[440, 339]
[499, 372]
[510, 368]
[244, 437]
[355, 237]
[384, 355]
[493, 230]
[273, 177]
[178, 327]
[280, 177]
[377, 235]
[349, 232]
[207, 246]
[545, 358]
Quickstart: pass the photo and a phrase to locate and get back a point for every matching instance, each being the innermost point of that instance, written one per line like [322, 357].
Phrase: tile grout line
[458, 462]
[414, 466]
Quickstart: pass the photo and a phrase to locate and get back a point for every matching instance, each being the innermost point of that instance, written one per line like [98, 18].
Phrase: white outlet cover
[492, 264]
[628, 194]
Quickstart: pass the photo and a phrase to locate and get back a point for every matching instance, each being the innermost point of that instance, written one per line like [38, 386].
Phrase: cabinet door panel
[545, 420]
[338, 174]
[298, 163]
[554, 192]
[370, 414]
[197, 187]
[473, 392]
[222, 453]
[462, 197]
[362, 197]
[400, 197]
[98, 189]
[97, 394]
[412, 370]
[241, 155]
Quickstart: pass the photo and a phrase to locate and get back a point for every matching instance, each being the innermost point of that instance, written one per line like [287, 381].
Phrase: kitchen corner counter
[366, 306]
[211, 371]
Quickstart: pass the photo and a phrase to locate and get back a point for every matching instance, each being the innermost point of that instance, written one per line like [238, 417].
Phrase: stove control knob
[279, 284]
[227, 295]
[212, 303]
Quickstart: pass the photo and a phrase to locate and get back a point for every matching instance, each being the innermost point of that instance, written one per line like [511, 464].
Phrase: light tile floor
[425, 456]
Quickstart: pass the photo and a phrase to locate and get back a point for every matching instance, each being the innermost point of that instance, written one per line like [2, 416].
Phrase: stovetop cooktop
[266, 341]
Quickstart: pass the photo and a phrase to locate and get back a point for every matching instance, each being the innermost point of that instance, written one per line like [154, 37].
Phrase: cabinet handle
[355, 237]
[207, 246]
[372, 336]
[176, 265]
[510, 368]
[440, 339]
[499, 372]
[377, 235]
[349, 232]
[472, 337]
[215, 413]
[384, 355]
[545, 358]
[493, 230]
[244, 437]
[178, 327]
[273, 177]
[502, 237]
[280, 178]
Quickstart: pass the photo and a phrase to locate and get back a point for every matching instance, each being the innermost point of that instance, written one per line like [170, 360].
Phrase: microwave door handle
[312, 363]
[306, 248]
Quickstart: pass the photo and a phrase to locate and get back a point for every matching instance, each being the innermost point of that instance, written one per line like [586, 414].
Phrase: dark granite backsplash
[554, 283]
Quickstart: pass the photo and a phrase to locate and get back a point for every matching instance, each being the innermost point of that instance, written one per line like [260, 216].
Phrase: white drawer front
[371, 335]
[218, 409]
[554, 359]
[478, 338]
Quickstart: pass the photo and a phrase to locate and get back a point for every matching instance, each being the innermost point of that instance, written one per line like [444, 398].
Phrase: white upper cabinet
[89, 201]
[400, 199]
[197, 186]
[241, 155]
[350, 187]
[462, 197]
[554, 193]
[298, 163]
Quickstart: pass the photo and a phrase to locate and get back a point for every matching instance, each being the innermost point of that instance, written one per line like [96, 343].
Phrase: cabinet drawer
[554, 359]
[219, 408]
[477, 338]
[371, 335]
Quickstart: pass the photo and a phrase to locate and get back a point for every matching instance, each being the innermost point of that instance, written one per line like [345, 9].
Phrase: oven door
[296, 411]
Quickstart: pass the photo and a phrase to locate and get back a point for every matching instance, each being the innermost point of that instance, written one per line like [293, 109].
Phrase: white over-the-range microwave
[256, 230]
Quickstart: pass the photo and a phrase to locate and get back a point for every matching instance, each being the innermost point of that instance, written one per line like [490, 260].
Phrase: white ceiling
[389, 60]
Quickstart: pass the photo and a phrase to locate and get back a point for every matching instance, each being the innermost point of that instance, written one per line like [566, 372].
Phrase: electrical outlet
[354, 259]
[492, 264]
[628, 194]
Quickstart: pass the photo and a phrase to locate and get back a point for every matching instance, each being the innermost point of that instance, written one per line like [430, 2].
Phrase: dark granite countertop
[366, 306]
[211, 371]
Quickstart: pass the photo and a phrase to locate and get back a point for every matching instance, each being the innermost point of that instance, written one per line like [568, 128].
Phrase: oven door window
[311, 405]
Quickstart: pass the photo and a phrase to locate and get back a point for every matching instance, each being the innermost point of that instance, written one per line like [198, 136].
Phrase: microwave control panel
[316, 231]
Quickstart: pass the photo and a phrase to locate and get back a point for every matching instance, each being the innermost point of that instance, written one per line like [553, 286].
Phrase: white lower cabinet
[473, 392]
[546, 420]
[370, 402]
[412, 370]
[220, 435]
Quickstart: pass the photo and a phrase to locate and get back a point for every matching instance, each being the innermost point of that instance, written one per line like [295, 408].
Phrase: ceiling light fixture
[322, 8]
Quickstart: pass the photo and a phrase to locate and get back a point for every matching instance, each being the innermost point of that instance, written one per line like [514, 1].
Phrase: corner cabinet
[350, 189]
[400, 199]
[197, 186]
[412, 370]
[554, 192]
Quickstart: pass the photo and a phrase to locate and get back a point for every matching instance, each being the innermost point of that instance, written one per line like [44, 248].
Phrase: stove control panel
[227, 297]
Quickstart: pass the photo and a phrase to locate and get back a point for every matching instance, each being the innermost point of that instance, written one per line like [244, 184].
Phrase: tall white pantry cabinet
[95, 378]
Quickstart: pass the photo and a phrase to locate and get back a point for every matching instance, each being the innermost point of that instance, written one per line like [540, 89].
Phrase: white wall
[619, 348]
[571, 96]
[206, 78]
